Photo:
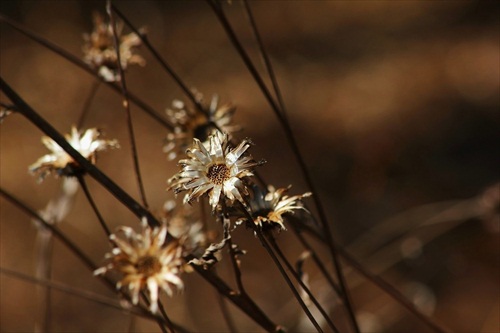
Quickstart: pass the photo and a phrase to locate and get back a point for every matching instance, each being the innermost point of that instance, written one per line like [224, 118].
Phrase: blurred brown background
[395, 105]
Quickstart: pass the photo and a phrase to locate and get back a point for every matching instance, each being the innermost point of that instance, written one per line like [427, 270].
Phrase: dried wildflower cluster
[152, 260]
[100, 52]
[61, 163]
[214, 169]
[190, 123]
[146, 261]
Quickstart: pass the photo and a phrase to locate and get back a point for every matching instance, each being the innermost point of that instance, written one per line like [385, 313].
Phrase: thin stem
[236, 267]
[296, 151]
[264, 243]
[242, 301]
[316, 259]
[394, 293]
[234, 261]
[383, 285]
[66, 289]
[169, 323]
[43, 265]
[126, 106]
[164, 315]
[290, 268]
[55, 231]
[161, 60]
[86, 105]
[225, 313]
[265, 57]
[83, 185]
[81, 64]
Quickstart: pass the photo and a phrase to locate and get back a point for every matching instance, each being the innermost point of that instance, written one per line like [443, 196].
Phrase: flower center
[218, 173]
[148, 265]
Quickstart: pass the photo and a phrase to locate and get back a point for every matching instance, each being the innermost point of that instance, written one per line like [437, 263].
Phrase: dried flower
[267, 207]
[190, 123]
[214, 169]
[100, 53]
[60, 163]
[146, 261]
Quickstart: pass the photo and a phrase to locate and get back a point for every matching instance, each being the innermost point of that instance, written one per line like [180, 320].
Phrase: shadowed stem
[44, 247]
[389, 289]
[236, 267]
[296, 151]
[162, 310]
[86, 105]
[225, 313]
[265, 57]
[276, 261]
[242, 301]
[316, 259]
[234, 260]
[55, 231]
[383, 285]
[66, 289]
[81, 64]
[126, 106]
[290, 268]
[169, 323]
[83, 185]
[161, 60]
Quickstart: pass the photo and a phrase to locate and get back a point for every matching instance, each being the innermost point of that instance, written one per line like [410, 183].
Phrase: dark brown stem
[55, 231]
[126, 106]
[325, 315]
[243, 302]
[161, 60]
[236, 267]
[86, 105]
[295, 293]
[265, 57]
[225, 313]
[83, 185]
[394, 293]
[316, 259]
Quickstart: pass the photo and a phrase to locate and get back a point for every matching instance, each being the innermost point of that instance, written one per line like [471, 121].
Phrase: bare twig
[325, 315]
[164, 64]
[83, 185]
[126, 106]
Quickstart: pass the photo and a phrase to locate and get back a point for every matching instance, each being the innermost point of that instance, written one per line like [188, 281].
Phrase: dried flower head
[216, 169]
[268, 207]
[100, 53]
[60, 163]
[146, 261]
[190, 123]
